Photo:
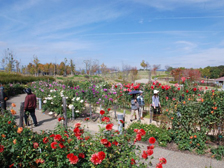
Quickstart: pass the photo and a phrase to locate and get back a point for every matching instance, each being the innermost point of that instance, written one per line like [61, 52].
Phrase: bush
[6, 78]
[218, 153]
[161, 135]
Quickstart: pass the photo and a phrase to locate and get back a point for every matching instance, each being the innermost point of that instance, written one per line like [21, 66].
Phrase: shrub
[161, 135]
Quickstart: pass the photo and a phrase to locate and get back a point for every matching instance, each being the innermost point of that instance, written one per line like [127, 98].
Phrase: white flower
[70, 106]
[50, 113]
[54, 96]
[45, 101]
[78, 98]
[73, 98]
[81, 101]
[66, 97]
[77, 111]
[52, 102]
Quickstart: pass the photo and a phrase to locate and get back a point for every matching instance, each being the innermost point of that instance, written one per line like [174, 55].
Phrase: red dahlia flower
[104, 141]
[162, 160]
[35, 145]
[132, 161]
[61, 145]
[102, 112]
[152, 140]
[115, 143]
[101, 155]
[108, 144]
[57, 137]
[81, 155]
[149, 152]
[106, 119]
[1, 148]
[144, 155]
[72, 158]
[95, 159]
[53, 145]
[109, 127]
[159, 165]
[45, 140]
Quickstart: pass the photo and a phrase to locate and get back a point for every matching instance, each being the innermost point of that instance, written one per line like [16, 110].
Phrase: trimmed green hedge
[6, 78]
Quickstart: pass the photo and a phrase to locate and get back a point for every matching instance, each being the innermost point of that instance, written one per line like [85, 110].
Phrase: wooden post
[100, 114]
[21, 114]
[65, 112]
[90, 108]
[40, 105]
[115, 113]
[151, 114]
[73, 113]
[124, 118]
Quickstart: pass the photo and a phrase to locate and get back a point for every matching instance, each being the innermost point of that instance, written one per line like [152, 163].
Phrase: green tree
[143, 64]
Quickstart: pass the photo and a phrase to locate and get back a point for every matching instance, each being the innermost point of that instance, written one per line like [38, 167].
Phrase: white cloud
[207, 57]
[172, 4]
[186, 45]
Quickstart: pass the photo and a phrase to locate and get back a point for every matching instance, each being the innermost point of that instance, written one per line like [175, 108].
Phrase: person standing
[134, 107]
[30, 105]
[141, 102]
[156, 103]
[4, 96]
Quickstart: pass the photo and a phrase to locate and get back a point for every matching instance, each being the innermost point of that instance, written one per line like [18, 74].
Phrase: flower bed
[20, 147]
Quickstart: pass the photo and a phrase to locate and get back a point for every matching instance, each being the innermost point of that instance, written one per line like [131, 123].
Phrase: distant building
[220, 81]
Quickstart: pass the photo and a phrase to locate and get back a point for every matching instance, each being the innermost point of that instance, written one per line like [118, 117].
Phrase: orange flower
[20, 129]
[14, 126]
[202, 100]
[184, 102]
[198, 144]
[213, 94]
[190, 142]
[215, 108]
[5, 98]
[3, 136]
[167, 110]
[13, 112]
[13, 105]
[14, 141]
[212, 112]
[189, 99]
[195, 136]
[214, 103]
[191, 137]
[171, 118]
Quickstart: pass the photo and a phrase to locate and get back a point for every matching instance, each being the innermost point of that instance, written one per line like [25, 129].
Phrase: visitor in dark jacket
[30, 105]
[4, 99]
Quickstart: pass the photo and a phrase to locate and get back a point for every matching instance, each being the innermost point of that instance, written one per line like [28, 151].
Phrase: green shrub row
[6, 78]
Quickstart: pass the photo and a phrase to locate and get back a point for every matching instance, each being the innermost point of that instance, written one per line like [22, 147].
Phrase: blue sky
[187, 33]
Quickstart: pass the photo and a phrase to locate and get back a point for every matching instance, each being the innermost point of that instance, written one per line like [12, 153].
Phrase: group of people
[30, 105]
[137, 105]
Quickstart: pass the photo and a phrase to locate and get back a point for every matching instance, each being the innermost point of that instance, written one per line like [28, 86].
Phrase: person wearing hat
[30, 105]
[155, 102]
